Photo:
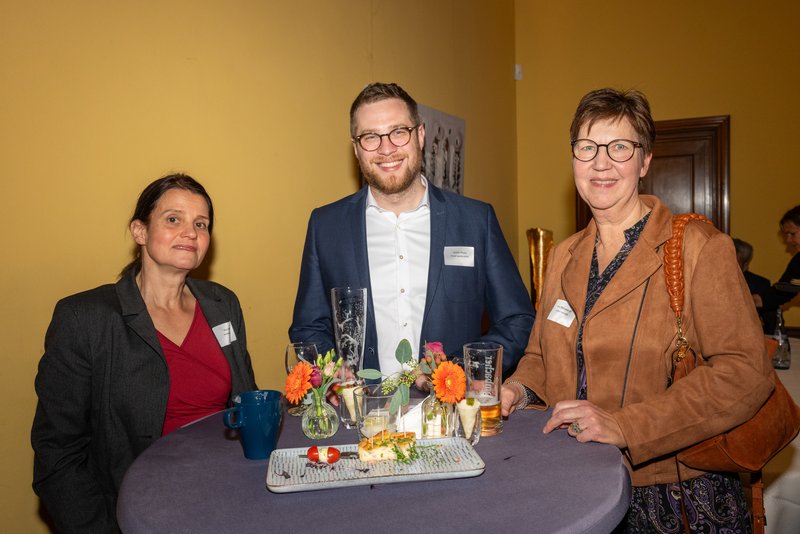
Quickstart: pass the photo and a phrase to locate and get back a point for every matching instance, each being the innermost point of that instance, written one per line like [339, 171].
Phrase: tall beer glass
[483, 364]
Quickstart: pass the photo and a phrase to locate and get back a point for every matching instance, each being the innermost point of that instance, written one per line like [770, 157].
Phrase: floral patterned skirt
[715, 503]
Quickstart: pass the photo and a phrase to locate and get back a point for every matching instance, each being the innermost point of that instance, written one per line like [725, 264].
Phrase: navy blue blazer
[335, 255]
[103, 384]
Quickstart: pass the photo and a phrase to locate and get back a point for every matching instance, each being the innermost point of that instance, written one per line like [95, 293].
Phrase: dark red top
[199, 375]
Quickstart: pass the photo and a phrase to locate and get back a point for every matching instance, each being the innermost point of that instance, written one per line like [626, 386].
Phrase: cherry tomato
[325, 455]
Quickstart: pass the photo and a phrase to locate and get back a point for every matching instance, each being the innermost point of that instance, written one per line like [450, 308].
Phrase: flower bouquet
[320, 419]
[449, 383]
[446, 380]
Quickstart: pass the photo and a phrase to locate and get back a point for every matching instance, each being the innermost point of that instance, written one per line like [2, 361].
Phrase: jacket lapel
[438, 210]
[357, 217]
[642, 262]
[576, 272]
[135, 313]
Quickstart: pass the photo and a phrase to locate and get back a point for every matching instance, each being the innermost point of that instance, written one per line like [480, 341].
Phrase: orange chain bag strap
[749, 446]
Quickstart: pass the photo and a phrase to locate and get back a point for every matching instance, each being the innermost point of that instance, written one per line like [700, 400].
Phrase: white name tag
[561, 313]
[460, 256]
[225, 334]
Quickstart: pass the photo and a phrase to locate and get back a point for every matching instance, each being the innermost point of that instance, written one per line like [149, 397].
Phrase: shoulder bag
[749, 446]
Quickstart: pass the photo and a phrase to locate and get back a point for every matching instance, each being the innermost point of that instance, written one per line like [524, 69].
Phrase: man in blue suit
[432, 261]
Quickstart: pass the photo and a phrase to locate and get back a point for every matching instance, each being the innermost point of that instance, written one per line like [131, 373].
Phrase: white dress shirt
[398, 249]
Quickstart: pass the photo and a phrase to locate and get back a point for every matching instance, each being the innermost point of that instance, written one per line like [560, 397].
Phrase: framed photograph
[443, 153]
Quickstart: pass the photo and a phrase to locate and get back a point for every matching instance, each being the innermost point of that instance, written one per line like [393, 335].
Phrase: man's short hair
[375, 92]
[793, 216]
[744, 251]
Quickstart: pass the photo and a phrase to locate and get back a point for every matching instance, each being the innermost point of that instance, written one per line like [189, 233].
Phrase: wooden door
[689, 171]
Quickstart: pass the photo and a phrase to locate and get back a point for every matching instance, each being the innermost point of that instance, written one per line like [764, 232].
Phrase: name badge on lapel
[459, 256]
[562, 313]
[225, 334]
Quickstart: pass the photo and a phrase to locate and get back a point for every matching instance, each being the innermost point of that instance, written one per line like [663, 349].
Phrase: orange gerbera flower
[298, 382]
[449, 382]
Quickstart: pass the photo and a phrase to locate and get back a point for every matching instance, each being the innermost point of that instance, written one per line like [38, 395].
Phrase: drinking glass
[372, 411]
[483, 365]
[468, 424]
[299, 352]
[349, 317]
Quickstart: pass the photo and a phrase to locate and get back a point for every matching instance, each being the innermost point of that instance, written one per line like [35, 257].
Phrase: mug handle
[228, 416]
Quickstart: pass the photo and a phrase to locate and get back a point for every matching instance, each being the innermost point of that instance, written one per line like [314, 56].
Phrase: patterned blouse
[597, 283]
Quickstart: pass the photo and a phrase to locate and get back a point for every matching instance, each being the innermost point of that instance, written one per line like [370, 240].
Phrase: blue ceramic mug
[257, 415]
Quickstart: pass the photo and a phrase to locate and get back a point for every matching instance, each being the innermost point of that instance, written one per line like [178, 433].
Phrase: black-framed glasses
[619, 150]
[398, 137]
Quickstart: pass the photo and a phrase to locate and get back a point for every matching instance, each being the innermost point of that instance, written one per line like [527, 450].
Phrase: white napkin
[411, 421]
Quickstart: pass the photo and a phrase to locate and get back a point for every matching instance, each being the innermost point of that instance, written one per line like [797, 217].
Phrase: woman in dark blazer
[126, 363]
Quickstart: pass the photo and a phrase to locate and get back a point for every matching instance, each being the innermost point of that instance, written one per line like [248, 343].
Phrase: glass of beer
[483, 365]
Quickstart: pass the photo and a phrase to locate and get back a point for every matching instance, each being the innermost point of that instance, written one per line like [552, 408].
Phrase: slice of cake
[386, 445]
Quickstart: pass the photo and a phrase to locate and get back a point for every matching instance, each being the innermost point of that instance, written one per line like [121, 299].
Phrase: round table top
[197, 480]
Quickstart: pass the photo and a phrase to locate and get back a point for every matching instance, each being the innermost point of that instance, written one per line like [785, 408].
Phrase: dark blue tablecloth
[196, 480]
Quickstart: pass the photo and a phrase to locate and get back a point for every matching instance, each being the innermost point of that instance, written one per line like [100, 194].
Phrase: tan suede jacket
[629, 338]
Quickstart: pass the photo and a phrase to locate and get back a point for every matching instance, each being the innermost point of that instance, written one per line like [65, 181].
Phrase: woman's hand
[510, 395]
[585, 422]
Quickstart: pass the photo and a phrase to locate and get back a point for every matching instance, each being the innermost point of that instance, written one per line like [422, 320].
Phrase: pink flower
[329, 369]
[316, 377]
[433, 347]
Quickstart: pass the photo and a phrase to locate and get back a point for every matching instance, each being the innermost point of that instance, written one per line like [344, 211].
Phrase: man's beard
[393, 187]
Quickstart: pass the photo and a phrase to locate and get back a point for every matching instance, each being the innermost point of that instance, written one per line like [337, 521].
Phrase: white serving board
[440, 459]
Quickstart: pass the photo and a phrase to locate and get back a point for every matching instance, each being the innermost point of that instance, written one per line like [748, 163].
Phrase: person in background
[432, 261]
[790, 228]
[757, 284]
[126, 363]
[602, 358]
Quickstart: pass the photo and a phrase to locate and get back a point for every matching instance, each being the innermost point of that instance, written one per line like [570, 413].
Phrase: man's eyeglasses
[398, 137]
[619, 150]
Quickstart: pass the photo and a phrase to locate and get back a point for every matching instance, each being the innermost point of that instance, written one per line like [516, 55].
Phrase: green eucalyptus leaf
[369, 374]
[403, 352]
[394, 406]
[403, 391]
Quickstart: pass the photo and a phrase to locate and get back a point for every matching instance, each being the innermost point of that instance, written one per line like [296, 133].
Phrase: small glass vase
[438, 418]
[320, 419]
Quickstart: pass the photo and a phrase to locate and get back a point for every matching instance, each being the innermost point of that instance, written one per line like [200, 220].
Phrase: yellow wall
[692, 59]
[250, 97]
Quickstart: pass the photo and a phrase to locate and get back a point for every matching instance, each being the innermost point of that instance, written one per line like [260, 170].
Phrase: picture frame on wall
[443, 153]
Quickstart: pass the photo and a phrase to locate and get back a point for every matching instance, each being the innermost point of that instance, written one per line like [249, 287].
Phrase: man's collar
[372, 203]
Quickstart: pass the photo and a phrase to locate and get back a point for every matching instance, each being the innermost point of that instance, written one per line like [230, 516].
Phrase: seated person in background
[432, 260]
[601, 352]
[790, 228]
[757, 284]
[126, 363]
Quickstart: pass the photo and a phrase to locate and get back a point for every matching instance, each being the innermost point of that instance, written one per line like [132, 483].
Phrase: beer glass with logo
[483, 365]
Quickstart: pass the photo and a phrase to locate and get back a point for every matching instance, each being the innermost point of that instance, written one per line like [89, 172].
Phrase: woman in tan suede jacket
[600, 353]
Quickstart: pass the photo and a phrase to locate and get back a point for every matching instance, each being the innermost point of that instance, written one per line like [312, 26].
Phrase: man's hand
[422, 384]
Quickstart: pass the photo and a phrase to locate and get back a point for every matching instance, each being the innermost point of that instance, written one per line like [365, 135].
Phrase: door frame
[715, 129]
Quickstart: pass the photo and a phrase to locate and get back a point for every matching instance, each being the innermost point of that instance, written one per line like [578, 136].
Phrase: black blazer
[103, 384]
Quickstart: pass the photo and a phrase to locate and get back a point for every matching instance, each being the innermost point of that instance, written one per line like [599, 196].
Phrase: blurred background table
[782, 473]
[196, 480]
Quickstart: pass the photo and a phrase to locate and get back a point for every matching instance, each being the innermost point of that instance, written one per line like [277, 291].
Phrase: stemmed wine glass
[302, 351]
